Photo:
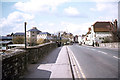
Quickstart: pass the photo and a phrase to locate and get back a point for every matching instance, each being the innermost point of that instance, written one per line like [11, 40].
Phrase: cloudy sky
[73, 16]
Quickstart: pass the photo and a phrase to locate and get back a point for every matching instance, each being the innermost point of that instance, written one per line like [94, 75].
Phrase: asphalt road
[96, 62]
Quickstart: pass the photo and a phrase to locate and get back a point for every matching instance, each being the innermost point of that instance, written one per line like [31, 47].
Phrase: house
[83, 38]
[100, 31]
[67, 36]
[4, 41]
[76, 38]
[18, 34]
[5, 38]
[44, 35]
[88, 37]
[32, 35]
[70, 35]
[5, 44]
[80, 39]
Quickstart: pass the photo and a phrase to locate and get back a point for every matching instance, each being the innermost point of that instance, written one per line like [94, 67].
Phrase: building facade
[99, 32]
[4, 41]
[18, 34]
[32, 36]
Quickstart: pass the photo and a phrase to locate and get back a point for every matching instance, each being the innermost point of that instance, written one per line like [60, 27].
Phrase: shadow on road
[51, 57]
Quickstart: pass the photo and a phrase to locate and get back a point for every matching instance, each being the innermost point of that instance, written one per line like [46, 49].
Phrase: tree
[40, 41]
[18, 40]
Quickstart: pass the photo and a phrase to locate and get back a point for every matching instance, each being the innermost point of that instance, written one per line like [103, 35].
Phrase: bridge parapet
[15, 63]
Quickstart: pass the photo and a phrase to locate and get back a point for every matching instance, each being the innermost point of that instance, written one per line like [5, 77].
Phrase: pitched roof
[44, 33]
[34, 29]
[102, 26]
[19, 34]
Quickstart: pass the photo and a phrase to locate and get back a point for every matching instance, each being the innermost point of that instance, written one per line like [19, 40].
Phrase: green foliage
[18, 40]
[40, 41]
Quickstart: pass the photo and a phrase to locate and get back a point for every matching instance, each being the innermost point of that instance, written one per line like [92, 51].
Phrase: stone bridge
[15, 63]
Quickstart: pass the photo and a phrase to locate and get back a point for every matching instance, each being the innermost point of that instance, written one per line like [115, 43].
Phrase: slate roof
[36, 30]
[5, 38]
[44, 33]
[19, 34]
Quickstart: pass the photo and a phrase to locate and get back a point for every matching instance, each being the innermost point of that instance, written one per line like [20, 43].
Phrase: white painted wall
[96, 36]
[44, 36]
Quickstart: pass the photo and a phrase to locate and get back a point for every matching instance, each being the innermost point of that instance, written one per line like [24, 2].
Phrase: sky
[51, 16]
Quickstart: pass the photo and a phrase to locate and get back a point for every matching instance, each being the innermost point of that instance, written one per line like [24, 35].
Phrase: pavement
[54, 65]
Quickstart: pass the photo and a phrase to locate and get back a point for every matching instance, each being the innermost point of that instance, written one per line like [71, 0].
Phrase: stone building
[18, 34]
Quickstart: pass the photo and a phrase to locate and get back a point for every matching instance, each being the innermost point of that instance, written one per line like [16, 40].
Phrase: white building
[86, 39]
[80, 39]
[99, 31]
[44, 35]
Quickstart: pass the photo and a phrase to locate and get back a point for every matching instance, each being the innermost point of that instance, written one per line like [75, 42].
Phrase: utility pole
[25, 34]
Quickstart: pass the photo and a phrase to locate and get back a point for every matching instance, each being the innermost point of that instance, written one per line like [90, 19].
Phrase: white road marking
[75, 67]
[83, 75]
[103, 52]
[116, 57]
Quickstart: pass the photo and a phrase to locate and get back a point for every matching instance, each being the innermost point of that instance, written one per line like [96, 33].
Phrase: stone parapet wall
[109, 45]
[15, 63]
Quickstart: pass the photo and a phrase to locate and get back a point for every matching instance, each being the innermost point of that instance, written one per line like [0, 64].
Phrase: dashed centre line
[116, 57]
[103, 52]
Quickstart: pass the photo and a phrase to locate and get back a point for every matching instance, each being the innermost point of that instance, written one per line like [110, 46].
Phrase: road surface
[96, 62]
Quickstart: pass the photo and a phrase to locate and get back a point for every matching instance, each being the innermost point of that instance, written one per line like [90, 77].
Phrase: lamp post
[25, 34]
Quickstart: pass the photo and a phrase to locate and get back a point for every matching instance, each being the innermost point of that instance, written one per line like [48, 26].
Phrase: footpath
[54, 65]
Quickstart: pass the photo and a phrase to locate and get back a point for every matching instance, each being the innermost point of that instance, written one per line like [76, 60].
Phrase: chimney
[89, 29]
[34, 28]
[115, 24]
